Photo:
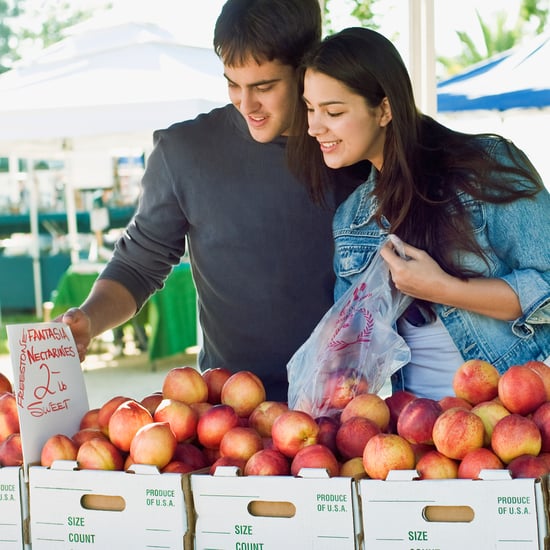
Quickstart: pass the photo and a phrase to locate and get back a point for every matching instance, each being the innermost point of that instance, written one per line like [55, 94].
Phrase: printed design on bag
[355, 322]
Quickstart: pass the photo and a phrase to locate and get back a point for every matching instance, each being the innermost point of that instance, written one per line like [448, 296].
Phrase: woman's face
[347, 129]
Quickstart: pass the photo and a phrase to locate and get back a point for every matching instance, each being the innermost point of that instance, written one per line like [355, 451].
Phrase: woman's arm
[422, 277]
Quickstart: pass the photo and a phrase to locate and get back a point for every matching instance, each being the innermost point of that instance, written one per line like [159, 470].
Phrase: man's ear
[385, 112]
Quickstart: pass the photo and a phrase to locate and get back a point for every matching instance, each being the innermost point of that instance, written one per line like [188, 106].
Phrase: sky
[193, 20]
[449, 17]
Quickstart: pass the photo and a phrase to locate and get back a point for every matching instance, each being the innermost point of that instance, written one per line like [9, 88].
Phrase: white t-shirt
[434, 359]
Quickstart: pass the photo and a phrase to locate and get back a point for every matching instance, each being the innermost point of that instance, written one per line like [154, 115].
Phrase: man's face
[265, 95]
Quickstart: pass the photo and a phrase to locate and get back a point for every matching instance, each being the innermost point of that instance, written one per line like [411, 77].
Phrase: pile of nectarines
[200, 420]
[493, 421]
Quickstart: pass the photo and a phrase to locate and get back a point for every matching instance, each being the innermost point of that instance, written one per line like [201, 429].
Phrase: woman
[471, 210]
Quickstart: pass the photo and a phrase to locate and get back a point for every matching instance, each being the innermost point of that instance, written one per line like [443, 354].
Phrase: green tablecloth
[170, 313]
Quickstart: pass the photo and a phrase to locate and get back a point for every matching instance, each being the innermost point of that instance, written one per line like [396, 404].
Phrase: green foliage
[497, 37]
[54, 18]
[43, 25]
[364, 13]
[535, 9]
[7, 11]
[530, 20]
[362, 10]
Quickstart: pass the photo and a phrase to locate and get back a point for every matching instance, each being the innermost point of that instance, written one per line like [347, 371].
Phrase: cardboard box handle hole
[108, 503]
[271, 509]
[448, 514]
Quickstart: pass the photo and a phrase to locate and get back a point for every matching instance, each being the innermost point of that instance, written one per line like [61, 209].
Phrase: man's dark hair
[266, 30]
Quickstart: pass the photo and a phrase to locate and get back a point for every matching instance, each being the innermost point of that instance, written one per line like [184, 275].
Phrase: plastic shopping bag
[354, 348]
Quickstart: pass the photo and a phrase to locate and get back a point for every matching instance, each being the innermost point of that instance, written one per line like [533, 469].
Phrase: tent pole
[70, 206]
[422, 58]
[35, 242]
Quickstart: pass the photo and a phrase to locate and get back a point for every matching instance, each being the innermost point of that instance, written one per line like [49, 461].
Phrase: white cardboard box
[51, 398]
[496, 512]
[105, 509]
[274, 512]
[13, 509]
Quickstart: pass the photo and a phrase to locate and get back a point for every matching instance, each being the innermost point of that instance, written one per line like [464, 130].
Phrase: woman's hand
[420, 276]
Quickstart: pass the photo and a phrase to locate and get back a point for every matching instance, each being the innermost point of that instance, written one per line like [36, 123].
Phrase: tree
[531, 20]
[7, 12]
[43, 24]
[362, 10]
[51, 18]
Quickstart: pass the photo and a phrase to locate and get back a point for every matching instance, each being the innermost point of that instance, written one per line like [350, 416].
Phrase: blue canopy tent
[508, 94]
[515, 79]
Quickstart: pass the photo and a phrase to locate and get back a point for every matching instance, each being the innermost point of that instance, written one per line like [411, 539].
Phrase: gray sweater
[261, 251]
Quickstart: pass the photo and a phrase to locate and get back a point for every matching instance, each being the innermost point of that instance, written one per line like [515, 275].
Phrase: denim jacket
[516, 237]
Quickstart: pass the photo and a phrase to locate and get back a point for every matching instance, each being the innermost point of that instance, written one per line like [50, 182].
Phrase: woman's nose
[314, 128]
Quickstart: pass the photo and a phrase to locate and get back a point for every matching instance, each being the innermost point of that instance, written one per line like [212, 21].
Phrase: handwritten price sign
[48, 383]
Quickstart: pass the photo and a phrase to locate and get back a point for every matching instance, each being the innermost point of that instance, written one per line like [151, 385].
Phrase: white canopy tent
[106, 87]
[129, 77]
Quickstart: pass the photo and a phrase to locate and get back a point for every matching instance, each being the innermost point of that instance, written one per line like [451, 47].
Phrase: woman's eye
[333, 115]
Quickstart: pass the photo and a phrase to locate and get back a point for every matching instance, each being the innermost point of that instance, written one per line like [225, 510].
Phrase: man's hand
[81, 328]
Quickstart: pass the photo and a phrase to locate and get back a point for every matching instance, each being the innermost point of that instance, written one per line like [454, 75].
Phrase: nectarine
[385, 452]
[243, 391]
[435, 465]
[521, 389]
[417, 419]
[185, 384]
[315, 456]
[214, 423]
[293, 430]
[267, 462]
[457, 431]
[515, 435]
[475, 381]
[368, 405]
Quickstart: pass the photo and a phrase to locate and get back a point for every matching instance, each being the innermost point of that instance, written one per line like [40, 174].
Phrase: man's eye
[264, 88]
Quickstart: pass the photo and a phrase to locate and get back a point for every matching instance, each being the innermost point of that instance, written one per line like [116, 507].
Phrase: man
[260, 249]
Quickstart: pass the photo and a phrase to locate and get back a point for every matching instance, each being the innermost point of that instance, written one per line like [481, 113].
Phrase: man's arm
[108, 305]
